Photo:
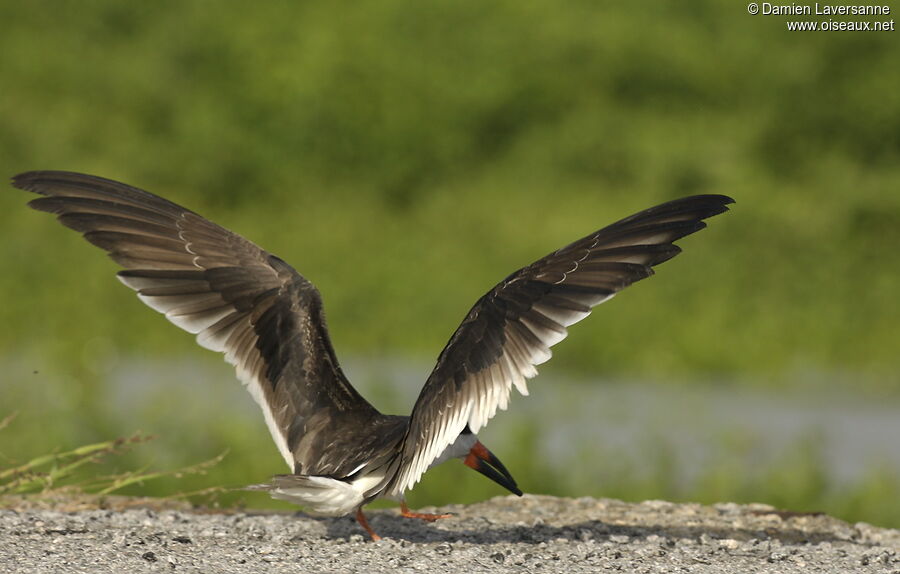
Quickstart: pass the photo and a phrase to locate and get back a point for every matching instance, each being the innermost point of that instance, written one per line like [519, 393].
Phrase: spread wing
[237, 298]
[510, 329]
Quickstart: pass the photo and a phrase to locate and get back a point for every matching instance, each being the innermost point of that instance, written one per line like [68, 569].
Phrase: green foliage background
[406, 156]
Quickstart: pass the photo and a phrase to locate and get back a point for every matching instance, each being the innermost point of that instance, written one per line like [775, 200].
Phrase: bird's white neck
[459, 449]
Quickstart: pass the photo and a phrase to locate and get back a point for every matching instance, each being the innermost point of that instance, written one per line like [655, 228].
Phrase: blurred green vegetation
[406, 157]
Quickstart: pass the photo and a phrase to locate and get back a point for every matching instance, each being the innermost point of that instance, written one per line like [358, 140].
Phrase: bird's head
[476, 456]
[484, 461]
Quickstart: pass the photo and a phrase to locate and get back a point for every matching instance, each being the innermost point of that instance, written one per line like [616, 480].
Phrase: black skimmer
[268, 321]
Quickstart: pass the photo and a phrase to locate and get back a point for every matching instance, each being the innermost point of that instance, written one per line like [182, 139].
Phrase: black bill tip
[484, 461]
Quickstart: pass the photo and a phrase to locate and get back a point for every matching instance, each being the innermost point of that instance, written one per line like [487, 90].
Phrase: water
[698, 425]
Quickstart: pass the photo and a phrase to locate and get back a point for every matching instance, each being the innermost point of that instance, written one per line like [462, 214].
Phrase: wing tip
[701, 206]
[23, 180]
[32, 180]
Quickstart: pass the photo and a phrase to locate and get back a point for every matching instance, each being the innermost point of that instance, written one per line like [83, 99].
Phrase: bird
[268, 320]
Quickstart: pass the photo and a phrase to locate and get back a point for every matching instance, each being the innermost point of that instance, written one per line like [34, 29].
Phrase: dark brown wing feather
[237, 298]
[512, 327]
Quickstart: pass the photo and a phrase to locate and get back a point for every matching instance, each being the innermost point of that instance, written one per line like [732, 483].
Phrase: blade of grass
[80, 453]
[128, 478]
[8, 419]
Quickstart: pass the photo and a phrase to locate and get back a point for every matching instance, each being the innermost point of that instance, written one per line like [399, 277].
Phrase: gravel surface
[506, 534]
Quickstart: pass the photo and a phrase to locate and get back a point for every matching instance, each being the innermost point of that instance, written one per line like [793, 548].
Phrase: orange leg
[405, 511]
[361, 518]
